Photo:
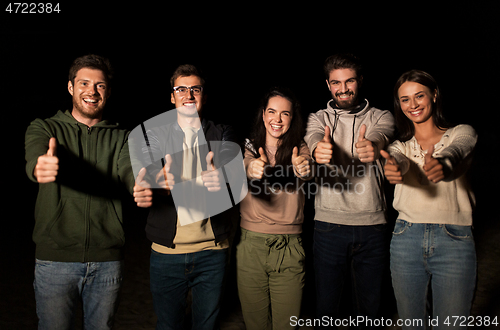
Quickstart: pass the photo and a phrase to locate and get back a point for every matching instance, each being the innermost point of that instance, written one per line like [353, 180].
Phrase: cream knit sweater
[450, 201]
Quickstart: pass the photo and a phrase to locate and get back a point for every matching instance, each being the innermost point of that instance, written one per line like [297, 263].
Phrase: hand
[324, 150]
[47, 166]
[391, 168]
[432, 167]
[364, 147]
[164, 178]
[300, 163]
[211, 177]
[255, 169]
[143, 195]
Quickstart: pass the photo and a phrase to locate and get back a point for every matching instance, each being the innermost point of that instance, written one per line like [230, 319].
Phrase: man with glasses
[186, 253]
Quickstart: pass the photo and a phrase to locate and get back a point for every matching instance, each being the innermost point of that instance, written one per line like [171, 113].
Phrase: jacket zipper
[86, 216]
[352, 143]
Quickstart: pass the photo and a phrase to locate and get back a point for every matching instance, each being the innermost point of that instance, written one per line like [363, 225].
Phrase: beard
[88, 112]
[346, 104]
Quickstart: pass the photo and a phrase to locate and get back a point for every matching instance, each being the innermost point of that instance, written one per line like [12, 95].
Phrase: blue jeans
[442, 255]
[59, 286]
[359, 251]
[171, 275]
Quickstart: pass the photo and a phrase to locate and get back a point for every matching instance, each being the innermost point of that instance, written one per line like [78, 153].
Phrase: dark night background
[244, 50]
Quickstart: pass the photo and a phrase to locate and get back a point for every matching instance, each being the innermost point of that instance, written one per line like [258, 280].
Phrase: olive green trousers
[270, 276]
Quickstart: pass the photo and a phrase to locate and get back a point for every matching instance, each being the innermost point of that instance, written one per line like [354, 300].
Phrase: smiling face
[277, 118]
[188, 104]
[89, 93]
[416, 101]
[344, 85]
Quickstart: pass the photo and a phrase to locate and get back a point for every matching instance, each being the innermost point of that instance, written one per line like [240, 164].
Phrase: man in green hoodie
[82, 165]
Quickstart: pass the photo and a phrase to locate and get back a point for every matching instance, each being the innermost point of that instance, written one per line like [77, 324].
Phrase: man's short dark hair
[343, 61]
[93, 62]
[186, 70]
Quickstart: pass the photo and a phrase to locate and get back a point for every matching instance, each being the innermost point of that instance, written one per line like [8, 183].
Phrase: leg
[453, 267]
[169, 288]
[330, 248]
[370, 264]
[286, 286]
[100, 294]
[206, 286]
[409, 276]
[57, 291]
[253, 283]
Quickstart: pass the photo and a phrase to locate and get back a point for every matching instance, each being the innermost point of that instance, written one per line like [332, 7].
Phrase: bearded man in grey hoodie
[350, 236]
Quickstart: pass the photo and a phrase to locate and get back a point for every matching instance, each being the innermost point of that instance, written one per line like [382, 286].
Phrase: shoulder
[461, 130]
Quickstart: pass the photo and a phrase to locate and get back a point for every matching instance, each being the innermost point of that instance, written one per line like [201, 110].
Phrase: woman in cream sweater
[432, 247]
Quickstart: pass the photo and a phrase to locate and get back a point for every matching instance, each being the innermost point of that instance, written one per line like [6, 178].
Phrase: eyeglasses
[182, 90]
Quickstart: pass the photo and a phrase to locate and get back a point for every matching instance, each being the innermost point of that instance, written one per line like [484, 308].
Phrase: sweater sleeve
[397, 150]
[457, 156]
[125, 171]
[36, 144]
[315, 132]
[382, 132]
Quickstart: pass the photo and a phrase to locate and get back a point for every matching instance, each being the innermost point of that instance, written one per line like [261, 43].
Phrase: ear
[328, 84]
[435, 95]
[172, 98]
[70, 87]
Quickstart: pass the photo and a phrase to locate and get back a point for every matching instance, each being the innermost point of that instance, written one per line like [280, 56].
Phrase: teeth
[276, 127]
[90, 100]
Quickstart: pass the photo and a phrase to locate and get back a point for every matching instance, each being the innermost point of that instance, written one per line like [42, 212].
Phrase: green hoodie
[78, 218]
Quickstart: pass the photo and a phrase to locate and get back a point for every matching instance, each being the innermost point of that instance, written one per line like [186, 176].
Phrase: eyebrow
[97, 83]
[289, 111]
[413, 94]
[352, 78]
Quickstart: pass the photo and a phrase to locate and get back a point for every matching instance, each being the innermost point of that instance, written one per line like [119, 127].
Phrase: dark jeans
[171, 275]
[359, 251]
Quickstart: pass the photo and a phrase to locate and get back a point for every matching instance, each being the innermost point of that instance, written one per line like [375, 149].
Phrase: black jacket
[162, 219]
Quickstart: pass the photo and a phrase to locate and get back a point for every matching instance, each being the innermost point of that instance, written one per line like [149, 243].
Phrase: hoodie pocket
[67, 228]
[106, 229]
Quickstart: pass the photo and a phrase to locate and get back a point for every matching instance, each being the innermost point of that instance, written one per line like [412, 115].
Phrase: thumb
[52, 147]
[362, 131]
[387, 156]
[210, 161]
[263, 155]
[140, 176]
[430, 151]
[327, 137]
[295, 153]
[168, 162]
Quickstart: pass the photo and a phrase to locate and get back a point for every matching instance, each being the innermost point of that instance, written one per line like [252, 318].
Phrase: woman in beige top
[270, 256]
[432, 247]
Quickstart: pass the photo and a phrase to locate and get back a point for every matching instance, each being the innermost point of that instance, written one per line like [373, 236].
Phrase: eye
[351, 81]
[404, 100]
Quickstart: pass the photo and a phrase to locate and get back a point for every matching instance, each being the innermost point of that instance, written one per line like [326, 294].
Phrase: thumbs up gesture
[324, 149]
[211, 177]
[164, 178]
[391, 168]
[364, 147]
[143, 195]
[432, 167]
[47, 165]
[300, 164]
[255, 169]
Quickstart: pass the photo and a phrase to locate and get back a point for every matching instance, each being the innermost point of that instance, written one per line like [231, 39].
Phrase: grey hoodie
[350, 192]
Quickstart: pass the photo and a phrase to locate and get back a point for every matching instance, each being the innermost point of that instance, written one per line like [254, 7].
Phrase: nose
[413, 103]
[190, 94]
